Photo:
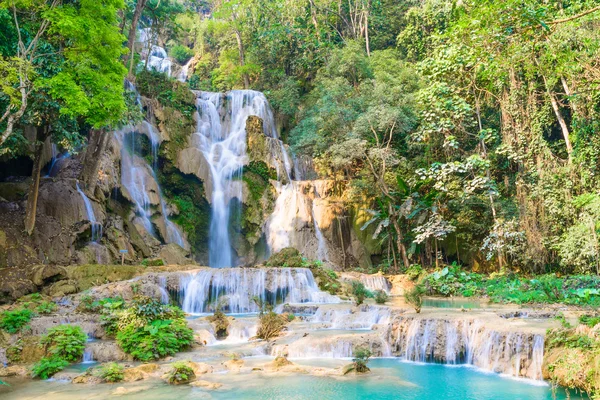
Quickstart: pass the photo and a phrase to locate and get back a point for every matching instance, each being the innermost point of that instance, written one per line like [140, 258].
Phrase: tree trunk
[399, 238]
[561, 121]
[240, 44]
[32, 195]
[91, 162]
[139, 8]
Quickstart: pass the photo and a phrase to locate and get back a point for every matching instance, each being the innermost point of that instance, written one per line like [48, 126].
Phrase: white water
[221, 136]
[140, 181]
[235, 288]
[375, 282]
[88, 356]
[96, 226]
[162, 286]
[183, 74]
[366, 317]
[157, 59]
[516, 354]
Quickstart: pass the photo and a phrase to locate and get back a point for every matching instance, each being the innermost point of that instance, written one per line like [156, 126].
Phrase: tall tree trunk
[139, 8]
[32, 194]
[238, 37]
[399, 237]
[561, 121]
[91, 161]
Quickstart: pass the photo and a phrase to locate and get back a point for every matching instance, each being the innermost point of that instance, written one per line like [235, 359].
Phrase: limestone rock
[201, 368]
[86, 378]
[234, 365]
[122, 391]
[14, 370]
[132, 375]
[206, 384]
[173, 254]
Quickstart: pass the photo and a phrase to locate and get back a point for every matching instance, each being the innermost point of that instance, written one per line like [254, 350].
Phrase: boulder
[201, 368]
[173, 254]
[14, 370]
[234, 365]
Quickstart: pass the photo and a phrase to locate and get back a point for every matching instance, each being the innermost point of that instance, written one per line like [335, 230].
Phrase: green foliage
[414, 297]
[181, 54]
[48, 366]
[110, 372]
[287, 257]
[13, 321]
[381, 297]
[270, 325]
[46, 307]
[414, 272]
[361, 359]
[180, 372]
[157, 262]
[360, 292]
[149, 330]
[569, 339]
[589, 320]
[169, 92]
[13, 353]
[66, 342]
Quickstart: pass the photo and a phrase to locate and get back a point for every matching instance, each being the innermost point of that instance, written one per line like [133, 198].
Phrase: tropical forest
[300, 199]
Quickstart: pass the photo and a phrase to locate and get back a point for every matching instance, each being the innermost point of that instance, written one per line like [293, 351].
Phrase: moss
[179, 127]
[186, 193]
[287, 257]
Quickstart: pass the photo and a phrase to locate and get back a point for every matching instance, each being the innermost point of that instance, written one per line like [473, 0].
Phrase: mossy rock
[287, 257]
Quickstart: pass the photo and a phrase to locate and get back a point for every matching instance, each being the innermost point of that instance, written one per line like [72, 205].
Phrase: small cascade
[237, 287]
[156, 55]
[321, 245]
[96, 226]
[469, 342]
[162, 286]
[240, 331]
[88, 356]
[56, 160]
[375, 283]
[183, 74]
[366, 317]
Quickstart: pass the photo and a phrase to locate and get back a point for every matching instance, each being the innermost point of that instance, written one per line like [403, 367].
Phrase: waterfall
[140, 181]
[96, 226]
[183, 74]
[157, 56]
[162, 286]
[375, 282]
[470, 342]
[223, 144]
[235, 289]
[321, 245]
[88, 356]
[346, 319]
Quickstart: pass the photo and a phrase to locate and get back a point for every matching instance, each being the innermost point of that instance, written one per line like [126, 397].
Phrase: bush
[270, 325]
[46, 307]
[181, 53]
[381, 297]
[66, 342]
[414, 297]
[414, 271]
[589, 320]
[48, 366]
[157, 262]
[180, 373]
[220, 322]
[361, 359]
[360, 292]
[149, 330]
[287, 257]
[13, 321]
[111, 372]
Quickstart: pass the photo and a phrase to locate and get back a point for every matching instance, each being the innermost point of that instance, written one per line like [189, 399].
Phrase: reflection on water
[452, 302]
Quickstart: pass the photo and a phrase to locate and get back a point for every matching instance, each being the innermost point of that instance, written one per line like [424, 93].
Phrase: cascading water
[96, 226]
[222, 141]
[469, 342]
[366, 317]
[236, 288]
[156, 55]
[139, 178]
[375, 282]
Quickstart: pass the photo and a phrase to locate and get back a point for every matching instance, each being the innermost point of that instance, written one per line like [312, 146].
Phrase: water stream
[89, 209]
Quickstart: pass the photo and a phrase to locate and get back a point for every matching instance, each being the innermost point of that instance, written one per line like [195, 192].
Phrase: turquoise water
[390, 379]
[451, 303]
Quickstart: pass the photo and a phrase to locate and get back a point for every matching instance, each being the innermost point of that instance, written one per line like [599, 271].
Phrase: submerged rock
[206, 384]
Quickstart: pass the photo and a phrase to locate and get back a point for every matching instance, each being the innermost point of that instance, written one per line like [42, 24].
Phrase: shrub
[181, 53]
[157, 262]
[589, 320]
[360, 360]
[220, 323]
[287, 257]
[66, 342]
[111, 372]
[360, 292]
[48, 366]
[13, 353]
[13, 321]
[270, 325]
[381, 297]
[414, 297]
[180, 373]
[46, 307]
[414, 271]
